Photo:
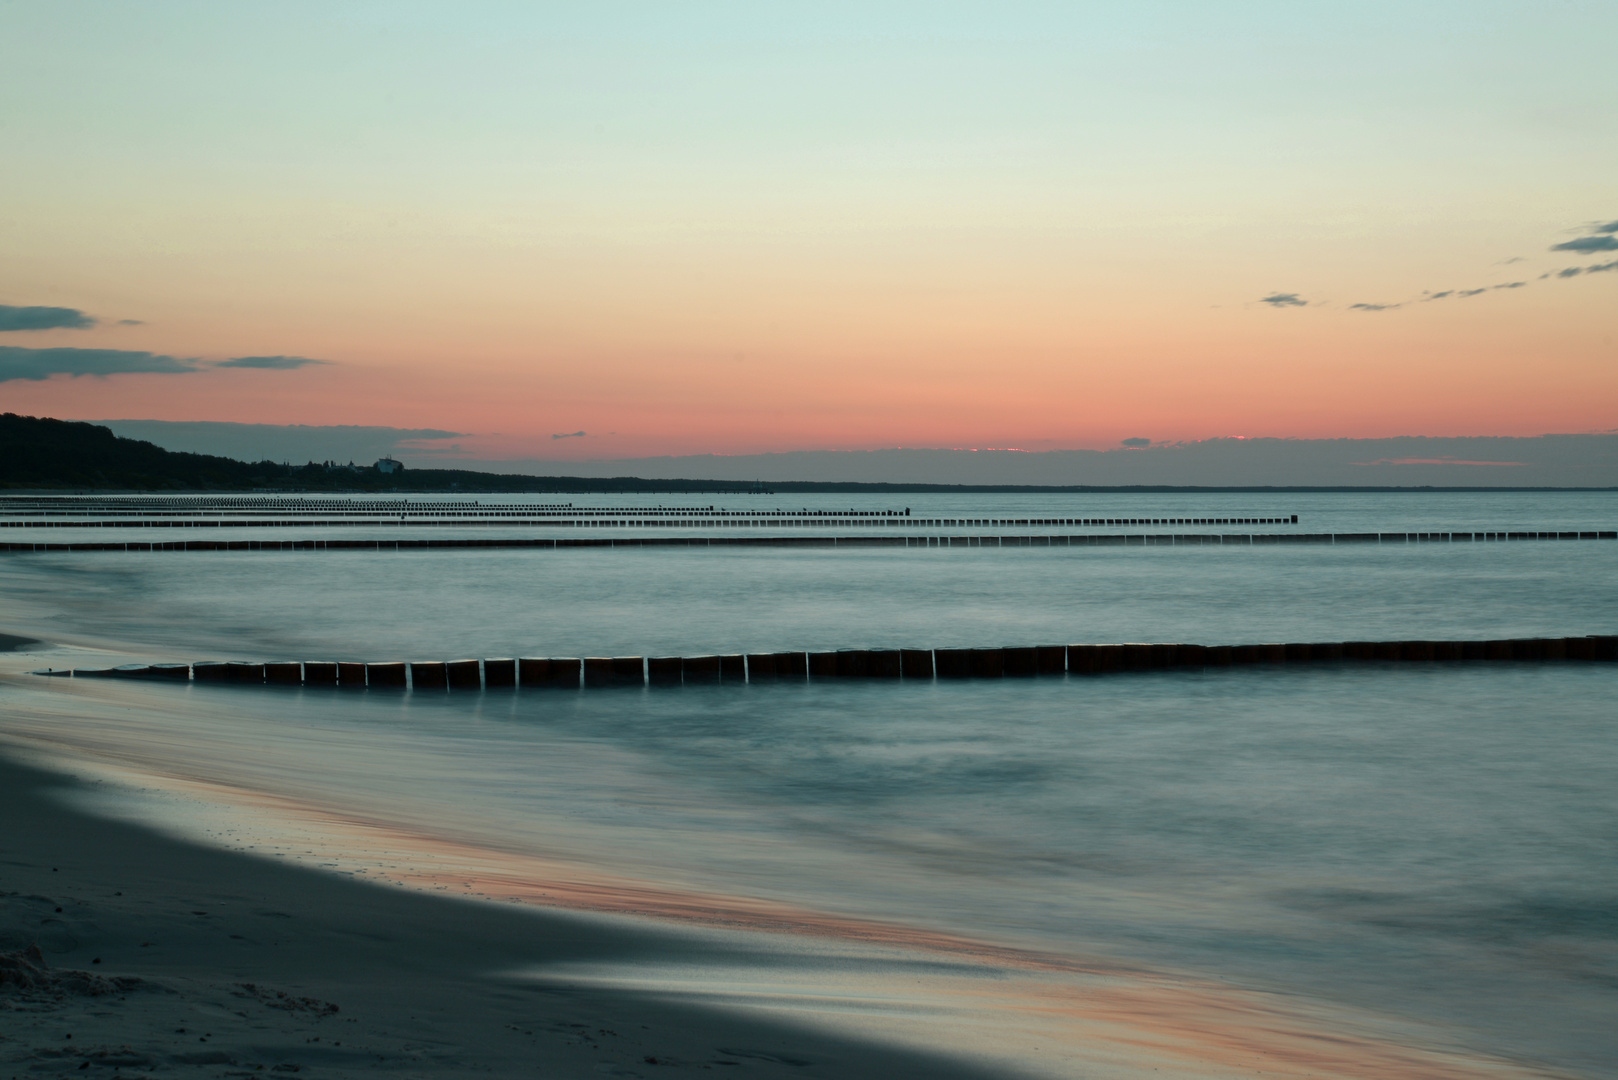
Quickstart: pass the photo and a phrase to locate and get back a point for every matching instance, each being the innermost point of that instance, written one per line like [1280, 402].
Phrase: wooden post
[953, 663]
[385, 676]
[284, 674]
[699, 669]
[916, 663]
[428, 675]
[663, 670]
[499, 674]
[464, 675]
[1019, 662]
[883, 664]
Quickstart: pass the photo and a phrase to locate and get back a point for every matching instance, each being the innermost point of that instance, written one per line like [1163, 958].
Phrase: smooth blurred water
[1432, 841]
[445, 604]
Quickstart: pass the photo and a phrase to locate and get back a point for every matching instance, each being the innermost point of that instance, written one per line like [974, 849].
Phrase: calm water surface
[1435, 842]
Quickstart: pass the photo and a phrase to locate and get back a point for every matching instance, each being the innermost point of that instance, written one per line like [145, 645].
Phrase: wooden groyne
[1080, 540]
[590, 672]
[718, 519]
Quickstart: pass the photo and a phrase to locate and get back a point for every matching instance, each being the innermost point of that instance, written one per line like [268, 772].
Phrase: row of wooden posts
[1089, 540]
[595, 519]
[603, 671]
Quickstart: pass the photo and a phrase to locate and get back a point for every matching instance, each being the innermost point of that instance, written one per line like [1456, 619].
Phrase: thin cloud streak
[1589, 245]
[1576, 271]
[36, 365]
[1600, 237]
[270, 363]
[14, 318]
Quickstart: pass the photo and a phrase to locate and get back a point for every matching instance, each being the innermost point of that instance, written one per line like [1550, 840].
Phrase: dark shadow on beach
[205, 961]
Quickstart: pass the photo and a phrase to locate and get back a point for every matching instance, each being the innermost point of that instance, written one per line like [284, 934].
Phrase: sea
[1429, 851]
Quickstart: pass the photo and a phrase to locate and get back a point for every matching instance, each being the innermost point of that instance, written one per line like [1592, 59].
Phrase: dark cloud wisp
[1598, 268]
[43, 318]
[1589, 244]
[36, 364]
[270, 363]
[1599, 237]
[570, 435]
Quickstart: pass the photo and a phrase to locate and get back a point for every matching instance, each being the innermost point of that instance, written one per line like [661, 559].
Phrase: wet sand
[157, 955]
[248, 966]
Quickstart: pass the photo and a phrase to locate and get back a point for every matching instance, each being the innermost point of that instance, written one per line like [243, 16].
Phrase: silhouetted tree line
[38, 452]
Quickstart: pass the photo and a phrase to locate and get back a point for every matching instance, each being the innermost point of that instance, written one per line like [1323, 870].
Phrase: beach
[245, 965]
[159, 956]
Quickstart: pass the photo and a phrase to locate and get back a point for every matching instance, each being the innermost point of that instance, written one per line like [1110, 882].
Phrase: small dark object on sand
[280, 999]
[27, 973]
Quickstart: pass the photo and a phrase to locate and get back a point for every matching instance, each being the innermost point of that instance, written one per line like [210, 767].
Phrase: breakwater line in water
[719, 520]
[592, 672]
[1082, 540]
[645, 518]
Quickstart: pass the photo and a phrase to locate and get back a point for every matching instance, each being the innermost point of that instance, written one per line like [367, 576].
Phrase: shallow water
[437, 604]
[1434, 842]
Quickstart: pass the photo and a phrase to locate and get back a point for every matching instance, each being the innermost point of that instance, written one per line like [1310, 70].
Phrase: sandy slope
[409, 974]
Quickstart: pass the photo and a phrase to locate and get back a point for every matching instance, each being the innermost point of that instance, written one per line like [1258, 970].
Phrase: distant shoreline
[39, 455]
[634, 485]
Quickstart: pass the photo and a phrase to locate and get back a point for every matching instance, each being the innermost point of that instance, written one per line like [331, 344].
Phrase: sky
[620, 230]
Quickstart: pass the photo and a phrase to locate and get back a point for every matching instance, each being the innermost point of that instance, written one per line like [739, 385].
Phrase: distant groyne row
[576, 673]
[717, 520]
[621, 518]
[1082, 540]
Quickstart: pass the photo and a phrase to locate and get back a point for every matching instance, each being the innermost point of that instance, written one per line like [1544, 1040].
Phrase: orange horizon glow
[799, 233]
